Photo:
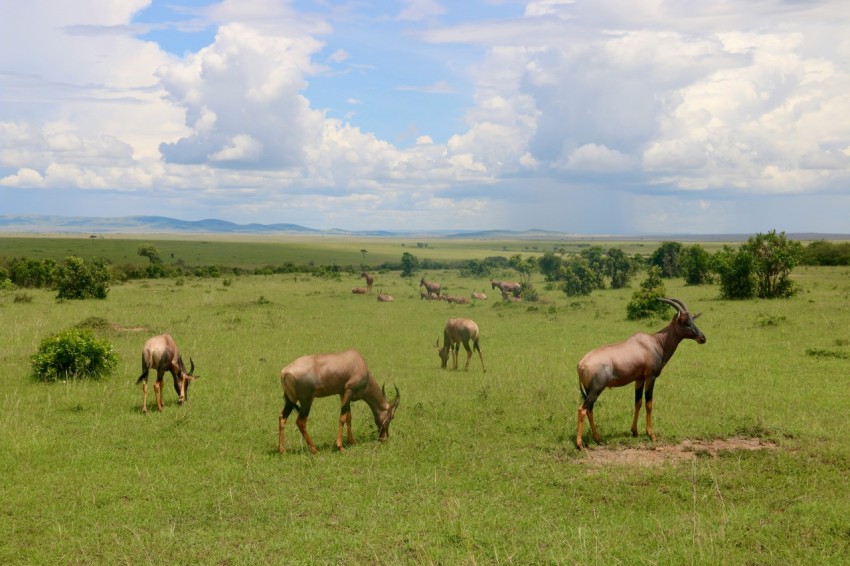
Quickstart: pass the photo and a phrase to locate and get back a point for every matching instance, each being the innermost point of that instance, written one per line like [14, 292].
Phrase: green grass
[479, 467]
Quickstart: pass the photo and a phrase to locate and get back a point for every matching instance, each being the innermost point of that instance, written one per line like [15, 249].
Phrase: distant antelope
[359, 290]
[507, 287]
[459, 330]
[320, 375]
[160, 353]
[383, 298]
[477, 295]
[369, 279]
[457, 300]
[431, 287]
[639, 359]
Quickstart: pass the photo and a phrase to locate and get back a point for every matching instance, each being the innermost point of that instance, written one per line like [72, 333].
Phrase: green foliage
[151, 252]
[761, 267]
[578, 278]
[619, 268]
[822, 252]
[524, 267]
[32, 273]
[695, 265]
[645, 303]
[409, 264]
[596, 262]
[76, 279]
[774, 256]
[528, 293]
[73, 354]
[737, 274]
[550, 265]
[476, 268]
[666, 258]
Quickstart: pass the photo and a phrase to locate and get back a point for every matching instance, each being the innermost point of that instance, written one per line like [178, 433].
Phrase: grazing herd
[639, 360]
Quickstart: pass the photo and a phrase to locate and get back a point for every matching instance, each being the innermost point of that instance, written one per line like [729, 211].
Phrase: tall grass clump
[73, 354]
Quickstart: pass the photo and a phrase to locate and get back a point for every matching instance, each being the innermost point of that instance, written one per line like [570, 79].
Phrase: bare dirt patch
[672, 453]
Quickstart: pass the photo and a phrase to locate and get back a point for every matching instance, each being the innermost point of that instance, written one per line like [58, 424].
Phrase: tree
[735, 269]
[774, 257]
[550, 266]
[409, 263]
[645, 303]
[595, 257]
[666, 258]
[77, 280]
[619, 268]
[364, 255]
[695, 264]
[151, 252]
[524, 267]
[578, 278]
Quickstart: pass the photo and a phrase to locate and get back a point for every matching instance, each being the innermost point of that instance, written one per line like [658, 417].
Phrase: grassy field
[479, 467]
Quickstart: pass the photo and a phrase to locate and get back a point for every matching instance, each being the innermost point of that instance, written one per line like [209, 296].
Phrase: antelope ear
[697, 315]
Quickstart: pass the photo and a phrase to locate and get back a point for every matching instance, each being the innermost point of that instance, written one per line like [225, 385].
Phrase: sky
[580, 116]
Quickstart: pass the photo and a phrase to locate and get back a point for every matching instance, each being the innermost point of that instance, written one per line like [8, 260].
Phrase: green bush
[645, 303]
[73, 354]
[76, 279]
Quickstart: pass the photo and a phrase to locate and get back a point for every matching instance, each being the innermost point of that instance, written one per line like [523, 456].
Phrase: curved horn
[191, 363]
[674, 303]
[397, 396]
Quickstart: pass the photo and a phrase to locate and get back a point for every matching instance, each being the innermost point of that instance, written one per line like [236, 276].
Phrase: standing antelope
[459, 330]
[369, 279]
[160, 353]
[507, 287]
[639, 359]
[430, 287]
[344, 374]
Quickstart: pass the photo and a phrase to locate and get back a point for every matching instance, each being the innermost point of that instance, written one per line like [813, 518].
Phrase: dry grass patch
[672, 453]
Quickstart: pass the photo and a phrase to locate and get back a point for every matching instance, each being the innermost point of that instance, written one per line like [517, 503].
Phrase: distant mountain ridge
[47, 224]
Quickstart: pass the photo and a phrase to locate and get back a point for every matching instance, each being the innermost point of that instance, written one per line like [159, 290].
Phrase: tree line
[759, 267]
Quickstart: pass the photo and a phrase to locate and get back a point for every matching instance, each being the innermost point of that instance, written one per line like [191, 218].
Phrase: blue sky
[589, 117]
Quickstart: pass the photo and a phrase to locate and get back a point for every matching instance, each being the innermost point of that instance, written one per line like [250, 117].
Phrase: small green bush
[73, 354]
[645, 303]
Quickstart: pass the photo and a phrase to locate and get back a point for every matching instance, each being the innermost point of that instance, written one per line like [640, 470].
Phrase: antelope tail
[582, 390]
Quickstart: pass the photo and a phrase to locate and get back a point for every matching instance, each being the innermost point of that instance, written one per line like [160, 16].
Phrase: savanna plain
[750, 466]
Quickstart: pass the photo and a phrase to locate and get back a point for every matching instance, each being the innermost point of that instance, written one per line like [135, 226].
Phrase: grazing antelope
[344, 374]
[507, 287]
[369, 280]
[430, 287]
[639, 359]
[477, 295]
[160, 353]
[459, 330]
[383, 298]
[359, 290]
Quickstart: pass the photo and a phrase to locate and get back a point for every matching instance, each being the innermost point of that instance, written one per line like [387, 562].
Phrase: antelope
[639, 359]
[369, 280]
[459, 330]
[458, 300]
[382, 298]
[430, 287]
[507, 287]
[321, 375]
[478, 295]
[160, 353]
[359, 290]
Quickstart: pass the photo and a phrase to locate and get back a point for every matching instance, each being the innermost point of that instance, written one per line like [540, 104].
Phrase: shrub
[736, 271]
[578, 277]
[76, 279]
[73, 354]
[645, 303]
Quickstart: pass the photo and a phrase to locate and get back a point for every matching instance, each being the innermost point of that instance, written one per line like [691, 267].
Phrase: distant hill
[36, 224]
